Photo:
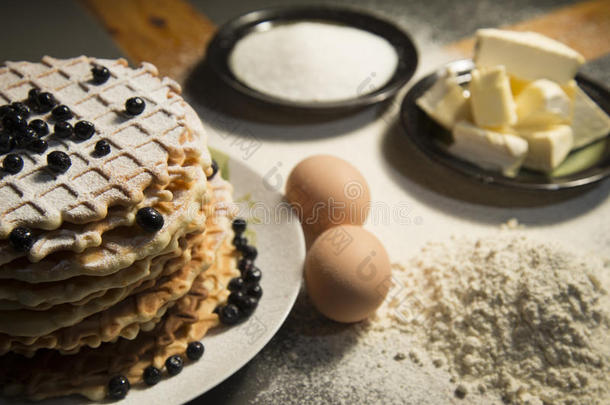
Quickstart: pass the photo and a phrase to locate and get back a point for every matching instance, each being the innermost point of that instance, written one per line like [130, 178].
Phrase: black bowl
[432, 139]
[222, 44]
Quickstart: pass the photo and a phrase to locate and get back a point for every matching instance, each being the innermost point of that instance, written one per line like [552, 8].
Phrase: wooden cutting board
[173, 35]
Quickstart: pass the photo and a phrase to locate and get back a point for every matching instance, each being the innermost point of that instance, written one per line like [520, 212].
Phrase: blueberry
[244, 265]
[174, 364]
[63, 129]
[23, 139]
[100, 74]
[38, 145]
[194, 350]
[255, 291]
[253, 275]
[236, 297]
[7, 143]
[33, 95]
[134, 106]
[21, 239]
[249, 252]
[152, 375]
[229, 314]
[5, 109]
[149, 219]
[239, 225]
[58, 161]
[236, 284]
[239, 242]
[45, 102]
[84, 130]
[12, 163]
[118, 386]
[102, 148]
[14, 122]
[61, 113]
[21, 109]
[214, 170]
[248, 305]
[39, 126]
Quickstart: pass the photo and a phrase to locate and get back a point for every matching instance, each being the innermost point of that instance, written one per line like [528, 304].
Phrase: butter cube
[488, 149]
[492, 102]
[446, 101]
[589, 122]
[527, 55]
[548, 148]
[543, 103]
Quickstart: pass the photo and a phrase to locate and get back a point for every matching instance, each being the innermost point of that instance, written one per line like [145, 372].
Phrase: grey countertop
[34, 28]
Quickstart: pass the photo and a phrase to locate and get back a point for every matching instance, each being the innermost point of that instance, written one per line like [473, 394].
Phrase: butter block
[492, 101]
[488, 149]
[543, 103]
[446, 101]
[527, 55]
[548, 148]
[589, 122]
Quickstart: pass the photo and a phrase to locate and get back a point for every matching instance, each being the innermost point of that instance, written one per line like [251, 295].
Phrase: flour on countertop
[526, 320]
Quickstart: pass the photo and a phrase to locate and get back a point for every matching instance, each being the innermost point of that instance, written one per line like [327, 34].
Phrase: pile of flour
[526, 320]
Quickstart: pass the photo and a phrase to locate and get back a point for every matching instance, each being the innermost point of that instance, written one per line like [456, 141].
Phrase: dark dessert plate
[229, 34]
[583, 166]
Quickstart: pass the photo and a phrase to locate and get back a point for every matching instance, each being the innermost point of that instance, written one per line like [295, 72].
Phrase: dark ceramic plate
[584, 166]
[227, 36]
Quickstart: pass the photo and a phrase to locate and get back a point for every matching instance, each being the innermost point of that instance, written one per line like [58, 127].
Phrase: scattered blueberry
[63, 129]
[21, 239]
[244, 265]
[23, 139]
[38, 145]
[58, 161]
[102, 148]
[7, 143]
[248, 305]
[83, 130]
[194, 350]
[236, 284]
[253, 275]
[33, 95]
[149, 219]
[236, 297]
[229, 314]
[14, 122]
[61, 113]
[21, 109]
[240, 241]
[118, 386]
[39, 126]
[214, 170]
[254, 291]
[12, 163]
[152, 375]
[249, 252]
[45, 102]
[174, 364]
[100, 74]
[239, 225]
[134, 106]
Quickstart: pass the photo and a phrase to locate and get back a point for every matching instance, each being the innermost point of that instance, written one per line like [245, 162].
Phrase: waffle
[50, 374]
[40, 199]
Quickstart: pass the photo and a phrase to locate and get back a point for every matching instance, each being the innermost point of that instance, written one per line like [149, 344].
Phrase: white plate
[281, 248]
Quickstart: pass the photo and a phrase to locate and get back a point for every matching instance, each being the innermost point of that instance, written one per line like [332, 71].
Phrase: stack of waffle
[116, 260]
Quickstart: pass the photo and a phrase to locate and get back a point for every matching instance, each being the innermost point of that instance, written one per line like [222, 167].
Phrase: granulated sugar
[313, 61]
[523, 319]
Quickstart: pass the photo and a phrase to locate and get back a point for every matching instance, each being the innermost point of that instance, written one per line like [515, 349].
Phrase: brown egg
[327, 191]
[347, 273]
